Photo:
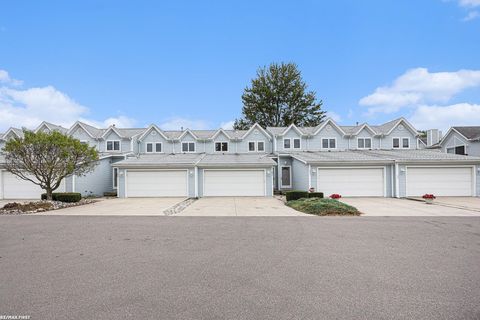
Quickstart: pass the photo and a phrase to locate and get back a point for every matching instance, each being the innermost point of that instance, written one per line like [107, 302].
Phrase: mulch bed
[14, 208]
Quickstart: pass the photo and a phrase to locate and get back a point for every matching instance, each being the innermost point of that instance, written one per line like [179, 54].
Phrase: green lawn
[323, 207]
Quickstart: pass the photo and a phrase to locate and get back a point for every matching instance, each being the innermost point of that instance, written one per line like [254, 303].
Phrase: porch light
[313, 171]
[402, 170]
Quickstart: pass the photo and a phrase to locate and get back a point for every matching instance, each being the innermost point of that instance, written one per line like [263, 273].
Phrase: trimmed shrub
[296, 194]
[323, 207]
[64, 196]
[315, 195]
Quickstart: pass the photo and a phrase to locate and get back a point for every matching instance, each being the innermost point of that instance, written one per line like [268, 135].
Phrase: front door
[286, 177]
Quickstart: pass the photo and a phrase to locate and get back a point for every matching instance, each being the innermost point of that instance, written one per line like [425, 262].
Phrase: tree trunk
[49, 193]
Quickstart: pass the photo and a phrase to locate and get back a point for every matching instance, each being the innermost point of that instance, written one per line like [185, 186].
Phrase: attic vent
[154, 133]
[328, 128]
[400, 127]
[256, 131]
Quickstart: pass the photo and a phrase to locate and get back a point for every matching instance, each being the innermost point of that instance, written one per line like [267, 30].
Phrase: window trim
[115, 181]
[254, 146]
[188, 146]
[328, 139]
[400, 142]
[215, 146]
[293, 145]
[258, 150]
[113, 145]
[289, 143]
[154, 147]
[364, 147]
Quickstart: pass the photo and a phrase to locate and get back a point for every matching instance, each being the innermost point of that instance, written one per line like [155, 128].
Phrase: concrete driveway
[405, 207]
[239, 206]
[120, 207]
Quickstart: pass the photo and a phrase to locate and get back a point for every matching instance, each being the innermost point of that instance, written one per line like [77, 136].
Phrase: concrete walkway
[241, 206]
[120, 207]
[405, 207]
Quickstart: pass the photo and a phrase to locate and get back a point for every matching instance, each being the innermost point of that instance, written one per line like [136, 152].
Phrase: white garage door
[172, 183]
[441, 181]
[16, 188]
[232, 183]
[351, 182]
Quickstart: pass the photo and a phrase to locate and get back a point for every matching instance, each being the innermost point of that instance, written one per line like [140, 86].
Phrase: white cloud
[29, 107]
[176, 123]
[471, 15]
[469, 3]
[6, 79]
[419, 86]
[443, 117]
[227, 125]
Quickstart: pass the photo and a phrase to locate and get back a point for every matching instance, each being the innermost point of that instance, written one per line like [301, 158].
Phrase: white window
[329, 143]
[401, 143]
[251, 146]
[188, 146]
[260, 146]
[286, 143]
[115, 178]
[221, 146]
[149, 148]
[364, 143]
[296, 143]
[113, 145]
[457, 150]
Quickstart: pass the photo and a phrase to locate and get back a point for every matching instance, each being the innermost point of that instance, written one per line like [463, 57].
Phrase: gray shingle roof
[471, 132]
[380, 156]
[191, 159]
[56, 127]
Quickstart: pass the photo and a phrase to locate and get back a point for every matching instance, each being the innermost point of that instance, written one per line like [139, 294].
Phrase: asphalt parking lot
[81, 267]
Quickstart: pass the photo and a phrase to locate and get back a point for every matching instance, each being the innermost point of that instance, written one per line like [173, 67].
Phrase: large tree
[278, 96]
[46, 158]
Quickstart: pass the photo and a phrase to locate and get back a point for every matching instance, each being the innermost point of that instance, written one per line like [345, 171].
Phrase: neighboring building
[462, 140]
[388, 160]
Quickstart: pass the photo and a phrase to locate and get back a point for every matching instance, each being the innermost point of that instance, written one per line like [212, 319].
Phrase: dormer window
[296, 143]
[188, 146]
[286, 143]
[221, 146]
[364, 143]
[113, 145]
[401, 143]
[151, 147]
[329, 143]
[260, 146]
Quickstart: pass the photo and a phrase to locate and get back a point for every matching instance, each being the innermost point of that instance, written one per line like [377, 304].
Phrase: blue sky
[186, 63]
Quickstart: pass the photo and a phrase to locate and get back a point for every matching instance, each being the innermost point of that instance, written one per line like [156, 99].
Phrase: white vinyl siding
[351, 182]
[439, 181]
[224, 183]
[166, 183]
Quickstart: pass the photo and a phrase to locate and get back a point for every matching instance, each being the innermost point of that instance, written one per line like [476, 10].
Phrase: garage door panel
[441, 181]
[15, 188]
[351, 182]
[222, 183]
[157, 183]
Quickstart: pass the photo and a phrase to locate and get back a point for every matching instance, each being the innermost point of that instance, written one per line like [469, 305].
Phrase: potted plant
[428, 198]
[335, 196]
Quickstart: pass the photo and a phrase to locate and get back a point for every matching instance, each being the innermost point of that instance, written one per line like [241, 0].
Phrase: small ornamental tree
[46, 158]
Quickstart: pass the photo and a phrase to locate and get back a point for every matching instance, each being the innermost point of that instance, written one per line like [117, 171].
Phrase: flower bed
[14, 208]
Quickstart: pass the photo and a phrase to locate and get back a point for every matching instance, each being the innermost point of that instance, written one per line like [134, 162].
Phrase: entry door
[286, 177]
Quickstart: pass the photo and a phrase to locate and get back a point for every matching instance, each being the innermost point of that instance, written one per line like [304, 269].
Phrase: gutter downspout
[309, 176]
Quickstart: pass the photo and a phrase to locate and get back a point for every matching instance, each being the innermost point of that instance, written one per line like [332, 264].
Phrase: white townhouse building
[387, 160]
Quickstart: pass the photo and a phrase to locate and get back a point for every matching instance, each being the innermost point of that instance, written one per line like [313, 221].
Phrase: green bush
[315, 195]
[323, 207]
[64, 196]
[296, 194]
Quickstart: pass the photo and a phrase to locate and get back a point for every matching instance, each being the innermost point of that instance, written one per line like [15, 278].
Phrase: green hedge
[296, 194]
[315, 195]
[64, 196]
